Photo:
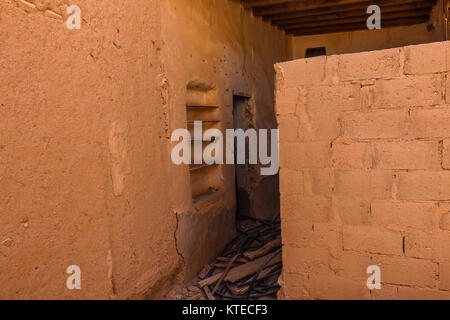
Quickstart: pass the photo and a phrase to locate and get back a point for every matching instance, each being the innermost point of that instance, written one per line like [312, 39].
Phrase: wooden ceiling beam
[357, 26]
[316, 12]
[361, 18]
[303, 17]
[334, 9]
[303, 5]
[284, 24]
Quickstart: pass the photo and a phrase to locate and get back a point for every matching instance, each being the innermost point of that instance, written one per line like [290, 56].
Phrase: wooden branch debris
[247, 269]
[208, 293]
[204, 273]
[252, 255]
[227, 270]
[209, 281]
[250, 268]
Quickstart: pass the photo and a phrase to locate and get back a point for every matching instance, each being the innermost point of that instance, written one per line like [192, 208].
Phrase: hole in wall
[315, 52]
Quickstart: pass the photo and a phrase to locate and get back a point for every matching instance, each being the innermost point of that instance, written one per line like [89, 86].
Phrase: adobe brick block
[406, 271]
[301, 72]
[367, 97]
[445, 221]
[444, 276]
[447, 83]
[295, 207]
[372, 240]
[325, 99]
[351, 211]
[364, 184]
[407, 155]
[408, 293]
[294, 286]
[446, 155]
[399, 215]
[304, 155]
[430, 123]
[352, 265]
[351, 156]
[331, 71]
[330, 234]
[286, 101]
[424, 185]
[318, 235]
[337, 288]
[291, 181]
[380, 124]
[387, 292]
[443, 211]
[447, 54]
[288, 128]
[318, 126]
[435, 246]
[370, 65]
[425, 90]
[318, 181]
[303, 260]
[426, 58]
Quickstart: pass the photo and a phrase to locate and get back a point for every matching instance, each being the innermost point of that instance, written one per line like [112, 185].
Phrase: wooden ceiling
[308, 17]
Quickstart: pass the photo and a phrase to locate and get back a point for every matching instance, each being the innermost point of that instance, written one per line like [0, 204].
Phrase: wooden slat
[250, 268]
[210, 281]
[361, 18]
[268, 247]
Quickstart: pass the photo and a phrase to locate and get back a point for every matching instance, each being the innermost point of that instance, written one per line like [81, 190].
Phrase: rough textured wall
[365, 180]
[85, 171]
[219, 46]
[82, 152]
[367, 40]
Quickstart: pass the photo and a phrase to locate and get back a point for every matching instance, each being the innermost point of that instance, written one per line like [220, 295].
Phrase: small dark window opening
[315, 52]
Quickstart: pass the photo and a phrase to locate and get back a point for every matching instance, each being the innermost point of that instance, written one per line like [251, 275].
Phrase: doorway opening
[242, 119]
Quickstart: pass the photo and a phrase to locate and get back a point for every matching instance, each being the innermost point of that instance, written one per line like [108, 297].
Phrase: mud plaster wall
[365, 174]
[218, 45]
[83, 152]
[85, 171]
[367, 40]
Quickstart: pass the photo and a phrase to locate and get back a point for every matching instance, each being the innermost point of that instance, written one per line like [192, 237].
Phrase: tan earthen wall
[86, 117]
[365, 180]
[82, 154]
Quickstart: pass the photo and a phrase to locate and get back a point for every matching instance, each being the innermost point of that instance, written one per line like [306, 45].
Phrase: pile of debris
[247, 269]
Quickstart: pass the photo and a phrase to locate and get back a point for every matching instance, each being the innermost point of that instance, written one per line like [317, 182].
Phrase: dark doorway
[242, 120]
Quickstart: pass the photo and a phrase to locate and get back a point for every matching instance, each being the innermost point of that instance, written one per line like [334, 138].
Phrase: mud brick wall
[365, 173]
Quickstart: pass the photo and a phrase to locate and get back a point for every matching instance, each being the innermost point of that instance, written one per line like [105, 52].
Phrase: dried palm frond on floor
[247, 269]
